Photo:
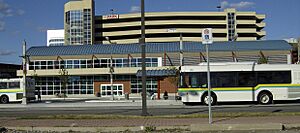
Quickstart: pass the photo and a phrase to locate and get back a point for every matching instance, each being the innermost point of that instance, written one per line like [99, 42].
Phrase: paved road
[134, 108]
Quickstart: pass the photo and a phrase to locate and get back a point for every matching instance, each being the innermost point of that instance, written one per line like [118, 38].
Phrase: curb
[235, 127]
[291, 126]
[95, 129]
[191, 128]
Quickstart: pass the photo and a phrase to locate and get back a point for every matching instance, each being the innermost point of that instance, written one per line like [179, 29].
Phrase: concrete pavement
[187, 124]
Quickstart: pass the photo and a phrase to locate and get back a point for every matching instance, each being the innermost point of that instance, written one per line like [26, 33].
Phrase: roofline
[156, 43]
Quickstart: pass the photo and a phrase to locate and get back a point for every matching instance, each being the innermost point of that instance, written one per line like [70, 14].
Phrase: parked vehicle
[12, 89]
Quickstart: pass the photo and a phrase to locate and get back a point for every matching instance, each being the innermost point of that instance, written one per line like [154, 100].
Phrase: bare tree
[64, 77]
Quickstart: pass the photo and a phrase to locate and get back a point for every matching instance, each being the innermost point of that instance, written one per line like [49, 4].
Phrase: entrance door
[106, 89]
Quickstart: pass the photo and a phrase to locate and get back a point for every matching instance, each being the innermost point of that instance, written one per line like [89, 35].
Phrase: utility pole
[142, 41]
[298, 49]
[24, 56]
[181, 59]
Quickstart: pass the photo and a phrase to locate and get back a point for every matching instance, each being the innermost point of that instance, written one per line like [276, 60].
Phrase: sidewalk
[193, 124]
[90, 102]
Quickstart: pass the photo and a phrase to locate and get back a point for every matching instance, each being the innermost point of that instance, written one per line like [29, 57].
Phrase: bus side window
[3, 85]
[13, 85]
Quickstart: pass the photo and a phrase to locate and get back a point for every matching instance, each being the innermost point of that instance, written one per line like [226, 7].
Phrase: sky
[30, 19]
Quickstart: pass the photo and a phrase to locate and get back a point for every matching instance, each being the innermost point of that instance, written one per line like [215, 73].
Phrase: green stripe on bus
[243, 88]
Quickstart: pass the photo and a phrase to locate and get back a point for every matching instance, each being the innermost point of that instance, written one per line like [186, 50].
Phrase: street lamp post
[181, 53]
[111, 70]
[235, 49]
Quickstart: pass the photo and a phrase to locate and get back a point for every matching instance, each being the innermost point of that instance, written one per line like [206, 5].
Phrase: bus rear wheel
[265, 98]
[4, 99]
[205, 99]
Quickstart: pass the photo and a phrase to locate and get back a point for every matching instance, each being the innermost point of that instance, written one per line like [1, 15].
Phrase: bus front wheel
[265, 98]
[4, 99]
[205, 99]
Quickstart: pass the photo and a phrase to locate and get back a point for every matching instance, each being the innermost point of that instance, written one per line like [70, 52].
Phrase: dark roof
[9, 66]
[157, 73]
[157, 48]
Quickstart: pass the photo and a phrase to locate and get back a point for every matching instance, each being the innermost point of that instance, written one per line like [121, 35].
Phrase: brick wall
[165, 85]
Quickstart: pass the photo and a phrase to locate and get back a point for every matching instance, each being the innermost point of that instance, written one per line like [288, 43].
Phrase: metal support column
[208, 86]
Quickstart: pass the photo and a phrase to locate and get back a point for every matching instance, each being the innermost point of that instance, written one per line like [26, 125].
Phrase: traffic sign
[207, 37]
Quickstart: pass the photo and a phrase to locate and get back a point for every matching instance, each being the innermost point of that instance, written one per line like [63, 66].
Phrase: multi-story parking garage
[82, 26]
[167, 26]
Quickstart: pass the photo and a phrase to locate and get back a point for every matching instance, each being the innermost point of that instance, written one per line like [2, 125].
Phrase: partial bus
[11, 90]
[233, 82]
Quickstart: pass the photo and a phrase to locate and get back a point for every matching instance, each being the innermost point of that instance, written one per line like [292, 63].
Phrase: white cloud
[42, 29]
[4, 9]
[2, 25]
[20, 12]
[224, 4]
[7, 11]
[135, 9]
[240, 5]
[7, 52]
[3, 5]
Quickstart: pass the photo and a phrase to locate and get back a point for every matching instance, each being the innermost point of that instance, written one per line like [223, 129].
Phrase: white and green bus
[11, 90]
[234, 82]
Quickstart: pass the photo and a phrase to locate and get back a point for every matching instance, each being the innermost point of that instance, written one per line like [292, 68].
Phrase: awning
[157, 73]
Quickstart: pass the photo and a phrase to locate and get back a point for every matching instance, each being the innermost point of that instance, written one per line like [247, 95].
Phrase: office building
[78, 22]
[160, 26]
[55, 37]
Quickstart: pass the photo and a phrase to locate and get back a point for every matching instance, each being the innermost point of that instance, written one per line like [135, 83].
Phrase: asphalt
[237, 123]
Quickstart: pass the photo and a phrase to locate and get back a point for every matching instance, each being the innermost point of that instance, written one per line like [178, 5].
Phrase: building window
[231, 26]
[96, 63]
[106, 89]
[136, 85]
[81, 85]
[79, 26]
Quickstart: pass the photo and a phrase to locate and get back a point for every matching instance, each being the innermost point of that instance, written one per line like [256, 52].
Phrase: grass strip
[215, 115]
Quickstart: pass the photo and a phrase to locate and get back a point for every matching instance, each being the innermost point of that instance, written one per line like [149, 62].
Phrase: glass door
[106, 89]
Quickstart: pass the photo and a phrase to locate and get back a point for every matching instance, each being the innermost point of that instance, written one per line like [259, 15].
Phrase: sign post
[207, 39]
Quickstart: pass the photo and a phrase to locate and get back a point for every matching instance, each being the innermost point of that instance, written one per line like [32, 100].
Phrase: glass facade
[76, 85]
[79, 26]
[231, 26]
[86, 63]
[136, 85]
[56, 42]
[117, 89]
[84, 85]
